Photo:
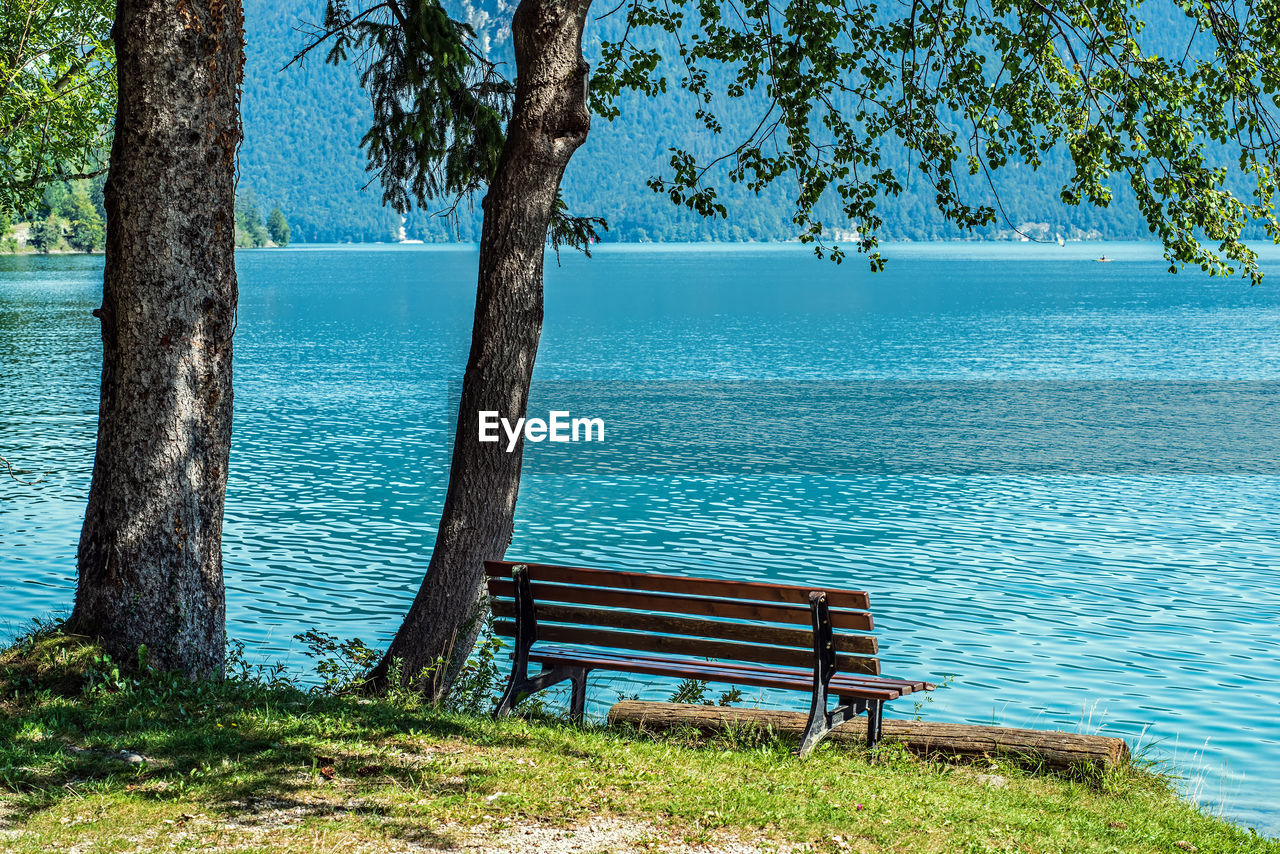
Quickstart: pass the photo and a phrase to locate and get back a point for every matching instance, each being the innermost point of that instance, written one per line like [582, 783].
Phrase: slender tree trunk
[549, 122]
[150, 557]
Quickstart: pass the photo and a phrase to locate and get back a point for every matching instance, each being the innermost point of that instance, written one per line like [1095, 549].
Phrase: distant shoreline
[1006, 248]
[754, 244]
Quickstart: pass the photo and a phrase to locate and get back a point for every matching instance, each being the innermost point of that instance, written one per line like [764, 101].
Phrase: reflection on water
[1140, 600]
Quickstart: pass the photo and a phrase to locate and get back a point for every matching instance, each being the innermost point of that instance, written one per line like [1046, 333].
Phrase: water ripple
[1127, 603]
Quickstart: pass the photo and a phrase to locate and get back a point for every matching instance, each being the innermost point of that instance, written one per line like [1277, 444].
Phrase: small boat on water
[1103, 260]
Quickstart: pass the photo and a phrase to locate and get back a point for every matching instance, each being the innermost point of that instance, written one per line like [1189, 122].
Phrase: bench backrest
[675, 615]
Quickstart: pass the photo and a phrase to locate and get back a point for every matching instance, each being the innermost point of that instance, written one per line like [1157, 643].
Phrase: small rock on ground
[123, 755]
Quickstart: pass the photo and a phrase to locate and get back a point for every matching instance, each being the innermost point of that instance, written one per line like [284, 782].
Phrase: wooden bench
[572, 621]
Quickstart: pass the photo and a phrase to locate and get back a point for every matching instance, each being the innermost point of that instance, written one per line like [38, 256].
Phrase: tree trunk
[150, 556]
[549, 122]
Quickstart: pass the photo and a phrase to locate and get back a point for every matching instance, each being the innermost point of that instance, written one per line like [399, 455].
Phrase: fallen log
[1056, 750]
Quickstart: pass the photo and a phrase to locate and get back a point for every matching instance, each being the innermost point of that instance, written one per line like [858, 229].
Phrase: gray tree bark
[150, 555]
[549, 121]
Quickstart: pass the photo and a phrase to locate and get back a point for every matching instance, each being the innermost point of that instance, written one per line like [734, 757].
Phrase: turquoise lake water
[1059, 480]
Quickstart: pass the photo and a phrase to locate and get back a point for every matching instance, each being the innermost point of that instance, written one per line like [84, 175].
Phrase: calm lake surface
[1100, 585]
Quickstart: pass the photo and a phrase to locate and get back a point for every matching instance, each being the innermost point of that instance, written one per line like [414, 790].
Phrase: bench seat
[842, 684]
[573, 620]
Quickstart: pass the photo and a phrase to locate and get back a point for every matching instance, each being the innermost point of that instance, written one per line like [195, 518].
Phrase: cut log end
[1042, 748]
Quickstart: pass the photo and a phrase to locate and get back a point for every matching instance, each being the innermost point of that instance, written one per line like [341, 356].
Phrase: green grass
[253, 766]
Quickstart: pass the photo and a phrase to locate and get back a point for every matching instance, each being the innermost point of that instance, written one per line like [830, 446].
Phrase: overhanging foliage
[970, 87]
[57, 94]
[965, 87]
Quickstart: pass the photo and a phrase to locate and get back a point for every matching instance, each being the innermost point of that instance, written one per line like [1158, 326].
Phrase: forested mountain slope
[303, 126]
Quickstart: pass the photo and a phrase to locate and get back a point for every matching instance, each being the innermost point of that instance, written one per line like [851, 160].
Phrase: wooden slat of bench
[641, 621]
[712, 673]
[905, 686]
[673, 645]
[739, 590]
[699, 606]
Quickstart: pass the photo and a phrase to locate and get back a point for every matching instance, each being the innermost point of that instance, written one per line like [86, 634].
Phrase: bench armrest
[526, 617]
[824, 645]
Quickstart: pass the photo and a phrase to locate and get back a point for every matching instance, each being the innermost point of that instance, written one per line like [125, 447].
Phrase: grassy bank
[95, 759]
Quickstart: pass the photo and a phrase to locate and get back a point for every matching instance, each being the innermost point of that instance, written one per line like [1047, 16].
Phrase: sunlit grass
[259, 767]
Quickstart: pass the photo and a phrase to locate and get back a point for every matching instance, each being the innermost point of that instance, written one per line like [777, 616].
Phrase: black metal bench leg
[526, 635]
[824, 666]
[517, 685]
[578, 699]
[813, 733]
[819, 724]
[522, 686]
[874, 708]
[508, 702]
